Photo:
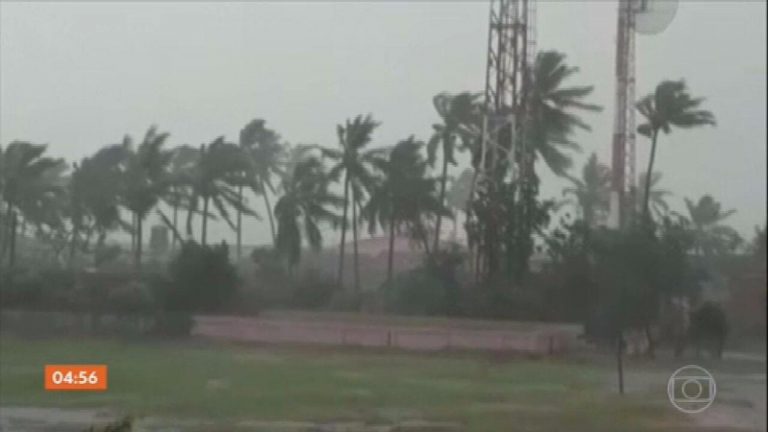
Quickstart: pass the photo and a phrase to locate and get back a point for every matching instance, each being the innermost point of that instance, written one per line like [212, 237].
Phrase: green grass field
[228, 384]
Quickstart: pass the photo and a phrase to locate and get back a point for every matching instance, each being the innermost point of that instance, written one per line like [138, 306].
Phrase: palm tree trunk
[99, 247]
[648, 176]
[239, 223]
[190, 214]
[175, 225]
[424, 238]
[271, 218]
[73, 245]
[390, 256]
[204, 233]
[12, 239]
[354, 241]
[455, 228]
[588, 214]
[343, 231]
[651, 351]
[4, 234]
[139, 236]
[620, 361]
[133, 233]
[438, 223]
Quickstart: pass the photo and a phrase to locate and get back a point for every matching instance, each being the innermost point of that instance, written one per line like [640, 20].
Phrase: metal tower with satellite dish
[645, 17]
[503, 153]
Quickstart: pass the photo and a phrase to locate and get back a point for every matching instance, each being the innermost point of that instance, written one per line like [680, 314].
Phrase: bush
[269, 284]
[133, 297]
[173, 324]
[520, 303]
[37, 290]
[708, 323]
[201, 278]
[434, 288]
[415, 292]
[124, 425]
[313, 290]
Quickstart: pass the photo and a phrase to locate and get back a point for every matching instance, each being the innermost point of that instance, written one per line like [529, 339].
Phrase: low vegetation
[231, 384]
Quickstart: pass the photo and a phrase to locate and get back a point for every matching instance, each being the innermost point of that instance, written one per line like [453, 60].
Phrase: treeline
[398, 189]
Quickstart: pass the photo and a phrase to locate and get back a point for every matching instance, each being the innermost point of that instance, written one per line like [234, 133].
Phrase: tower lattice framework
[504, 156]
[623, 146]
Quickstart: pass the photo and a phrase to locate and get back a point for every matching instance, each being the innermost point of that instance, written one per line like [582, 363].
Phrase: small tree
[201, 278]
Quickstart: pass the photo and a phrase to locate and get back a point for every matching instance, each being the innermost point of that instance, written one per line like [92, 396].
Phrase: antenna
[644, 17]
[654, 16]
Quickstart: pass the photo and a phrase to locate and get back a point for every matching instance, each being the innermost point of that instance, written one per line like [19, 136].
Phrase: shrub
[512, 303]
[313, 290]
[269, 284]
[133, 297]
[46, 289]
[124, 425]
[434, 288]
[415, 292]
[201, 278]
[708, 323]
[173, 324]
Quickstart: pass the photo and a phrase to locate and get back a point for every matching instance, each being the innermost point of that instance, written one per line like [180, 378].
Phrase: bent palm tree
[303, 206]
[145, 181]
[94, 197]
[265, 153]
[591, 192]
[27, 179]
[553, 120]
[669, 106]
[179, 196]
[405, 195]
[354, 162]
[458, 113]
[215, 179]
[710, 235]
[548, 134]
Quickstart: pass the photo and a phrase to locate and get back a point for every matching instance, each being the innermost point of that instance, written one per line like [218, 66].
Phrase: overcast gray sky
[81, 75]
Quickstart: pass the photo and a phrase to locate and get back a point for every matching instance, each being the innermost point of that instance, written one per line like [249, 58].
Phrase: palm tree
[353, 161]
[215, 179]
[669, 106]
[710, 235]
[265, 153]
[94, 197]
[657, 199]
[303, 206]
[404, 196]
[458, 113]
[179, 196]
[145, 181]
[550, 123]
[553, 120]
[27, 180]
[591, 192]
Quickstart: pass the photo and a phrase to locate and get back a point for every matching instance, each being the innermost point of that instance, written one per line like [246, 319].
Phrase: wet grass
[227, 383]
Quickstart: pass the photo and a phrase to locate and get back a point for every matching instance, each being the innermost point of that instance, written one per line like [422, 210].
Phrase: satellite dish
[653, 16]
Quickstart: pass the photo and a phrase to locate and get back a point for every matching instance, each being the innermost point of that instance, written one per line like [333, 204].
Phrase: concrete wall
[417, 338]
